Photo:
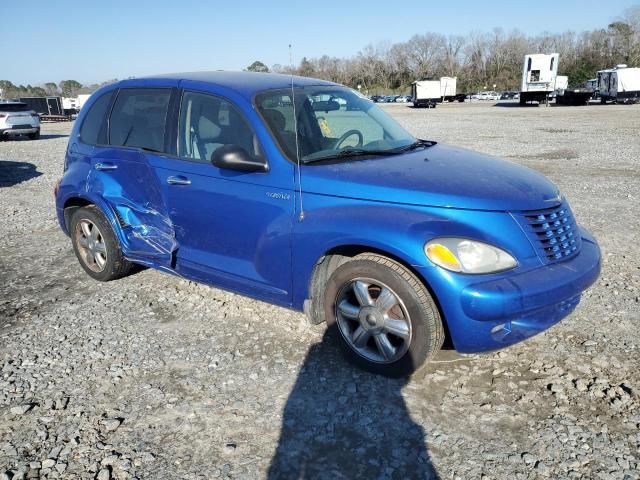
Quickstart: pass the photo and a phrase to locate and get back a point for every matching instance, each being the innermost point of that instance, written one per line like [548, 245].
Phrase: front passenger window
[208, 123]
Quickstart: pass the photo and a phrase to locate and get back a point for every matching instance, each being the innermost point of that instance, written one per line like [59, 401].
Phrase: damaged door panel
[125, 180]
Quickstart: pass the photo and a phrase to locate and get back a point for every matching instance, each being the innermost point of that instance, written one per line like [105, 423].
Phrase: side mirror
[234, 157]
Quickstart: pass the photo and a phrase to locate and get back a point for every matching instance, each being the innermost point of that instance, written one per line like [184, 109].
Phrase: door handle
[178, 180]
[105, 166]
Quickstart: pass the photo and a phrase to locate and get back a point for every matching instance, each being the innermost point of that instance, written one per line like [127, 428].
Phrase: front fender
[398, 230]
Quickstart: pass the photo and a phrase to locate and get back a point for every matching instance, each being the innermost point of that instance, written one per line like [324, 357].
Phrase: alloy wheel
[91, 245]
[373, 320]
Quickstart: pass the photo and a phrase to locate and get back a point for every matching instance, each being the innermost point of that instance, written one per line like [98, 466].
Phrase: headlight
[468, 256]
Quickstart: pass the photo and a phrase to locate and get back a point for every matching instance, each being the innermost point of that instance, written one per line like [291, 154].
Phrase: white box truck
[425, 93]
[620, 84]
[538, 77]
[448, 88]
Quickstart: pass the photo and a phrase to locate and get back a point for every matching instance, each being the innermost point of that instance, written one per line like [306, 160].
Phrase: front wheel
[388, 321]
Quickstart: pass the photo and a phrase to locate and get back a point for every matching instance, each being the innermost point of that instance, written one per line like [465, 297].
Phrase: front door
[232, 228]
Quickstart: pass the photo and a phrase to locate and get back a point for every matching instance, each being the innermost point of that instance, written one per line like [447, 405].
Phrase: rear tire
[96, 245]
[392, 341]
[35, 135]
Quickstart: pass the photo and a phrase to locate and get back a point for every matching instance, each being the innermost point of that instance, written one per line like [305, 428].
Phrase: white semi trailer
[538, 77]
[620, 84]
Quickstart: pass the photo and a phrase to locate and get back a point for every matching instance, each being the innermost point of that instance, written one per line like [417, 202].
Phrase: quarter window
[94, 126]
[138, 118]
[208, 123]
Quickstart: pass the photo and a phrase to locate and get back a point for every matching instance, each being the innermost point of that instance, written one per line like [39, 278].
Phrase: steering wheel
[348, 134]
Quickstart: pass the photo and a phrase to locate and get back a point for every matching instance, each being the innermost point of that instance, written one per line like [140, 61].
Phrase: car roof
[246, 83]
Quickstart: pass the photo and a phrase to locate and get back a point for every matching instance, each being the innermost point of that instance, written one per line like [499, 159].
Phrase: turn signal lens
[468, 256]
[442, 256]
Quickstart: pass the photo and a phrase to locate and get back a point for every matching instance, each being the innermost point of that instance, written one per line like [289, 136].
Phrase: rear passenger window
[94, 126]
[138, 118]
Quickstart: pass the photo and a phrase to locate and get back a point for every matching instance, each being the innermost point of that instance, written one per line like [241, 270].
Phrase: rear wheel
[388, 321]
[96, 245]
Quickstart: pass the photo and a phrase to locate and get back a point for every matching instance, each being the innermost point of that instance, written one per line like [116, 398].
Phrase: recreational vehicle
[620, 84]
[538, 77]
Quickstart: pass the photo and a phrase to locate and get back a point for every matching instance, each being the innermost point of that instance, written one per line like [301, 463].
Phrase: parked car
[16, 118]
[493, 96]
[392, 240]
[508, 95]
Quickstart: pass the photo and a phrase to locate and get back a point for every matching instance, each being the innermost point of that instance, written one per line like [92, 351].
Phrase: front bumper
[496, 313]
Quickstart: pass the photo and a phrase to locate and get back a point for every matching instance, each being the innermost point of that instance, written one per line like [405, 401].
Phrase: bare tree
[478, 59]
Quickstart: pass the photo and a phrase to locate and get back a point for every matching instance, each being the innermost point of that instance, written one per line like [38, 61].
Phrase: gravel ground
[153, 376]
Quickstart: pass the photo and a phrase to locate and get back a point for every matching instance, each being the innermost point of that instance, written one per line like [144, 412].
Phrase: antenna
[295, 128]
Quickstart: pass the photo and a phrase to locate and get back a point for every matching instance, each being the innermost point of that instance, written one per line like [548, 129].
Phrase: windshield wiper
[352, 152]
[417, 144]
[149, 149]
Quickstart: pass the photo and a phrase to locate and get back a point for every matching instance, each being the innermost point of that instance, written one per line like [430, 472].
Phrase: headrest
[275, 118]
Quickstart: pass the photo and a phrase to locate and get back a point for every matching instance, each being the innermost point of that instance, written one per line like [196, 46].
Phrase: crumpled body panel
[133, 192]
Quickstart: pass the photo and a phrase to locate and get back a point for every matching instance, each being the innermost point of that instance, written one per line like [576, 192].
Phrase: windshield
[332, 122]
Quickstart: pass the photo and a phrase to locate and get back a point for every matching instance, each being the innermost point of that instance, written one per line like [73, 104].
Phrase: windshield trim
[279, 145]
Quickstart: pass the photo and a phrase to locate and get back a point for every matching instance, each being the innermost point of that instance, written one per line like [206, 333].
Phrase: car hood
[441, 176]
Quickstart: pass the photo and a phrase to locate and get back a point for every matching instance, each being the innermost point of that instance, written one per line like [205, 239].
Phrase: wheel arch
[75, 202]
[335, 256]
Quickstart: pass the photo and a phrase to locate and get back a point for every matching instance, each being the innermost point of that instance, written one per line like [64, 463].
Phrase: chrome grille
[553, 232]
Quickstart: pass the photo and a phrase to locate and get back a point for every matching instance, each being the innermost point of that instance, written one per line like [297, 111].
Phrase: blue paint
[241, 231]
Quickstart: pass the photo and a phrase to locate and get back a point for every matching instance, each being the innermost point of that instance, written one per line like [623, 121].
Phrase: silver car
[16, 118]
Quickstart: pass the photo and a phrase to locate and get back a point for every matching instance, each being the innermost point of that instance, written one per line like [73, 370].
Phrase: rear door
[232, 228]
[121, 175]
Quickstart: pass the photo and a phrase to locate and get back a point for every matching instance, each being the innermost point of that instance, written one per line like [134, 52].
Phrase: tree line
[479, 60]
[65, 88]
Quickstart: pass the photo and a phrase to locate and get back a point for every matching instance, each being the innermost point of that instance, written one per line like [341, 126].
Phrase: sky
[93, 41]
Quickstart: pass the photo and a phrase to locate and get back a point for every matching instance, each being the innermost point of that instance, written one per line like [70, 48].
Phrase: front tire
[96, 246]
[388, 321]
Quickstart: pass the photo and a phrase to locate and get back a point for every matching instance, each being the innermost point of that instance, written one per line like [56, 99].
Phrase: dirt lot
[155, 377]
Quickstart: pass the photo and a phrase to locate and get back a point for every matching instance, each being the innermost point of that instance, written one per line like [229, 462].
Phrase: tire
[35, 135]
[523, 102]
[414, 315]
[99, 254]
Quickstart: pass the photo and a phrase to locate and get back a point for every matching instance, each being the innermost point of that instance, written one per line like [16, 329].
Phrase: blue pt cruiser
[305, 194]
